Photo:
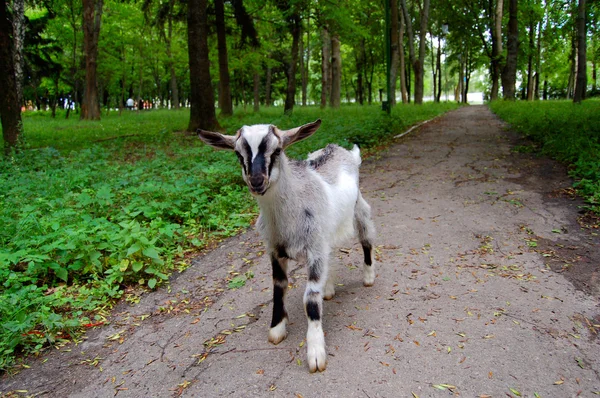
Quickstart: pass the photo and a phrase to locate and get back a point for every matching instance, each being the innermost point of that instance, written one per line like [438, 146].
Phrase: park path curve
[478, 293]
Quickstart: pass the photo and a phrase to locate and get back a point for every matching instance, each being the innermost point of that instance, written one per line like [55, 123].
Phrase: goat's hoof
[329, 292]
[369, 276]
[317, 358]
[278, 333]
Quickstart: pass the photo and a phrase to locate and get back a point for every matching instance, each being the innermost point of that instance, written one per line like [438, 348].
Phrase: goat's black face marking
[242, 162]
[274, 157]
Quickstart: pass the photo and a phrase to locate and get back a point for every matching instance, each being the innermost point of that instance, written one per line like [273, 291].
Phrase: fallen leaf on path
[516, 392]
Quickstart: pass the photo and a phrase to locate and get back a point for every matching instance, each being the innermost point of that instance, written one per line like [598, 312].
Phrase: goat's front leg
[278, 331]
[313, 304]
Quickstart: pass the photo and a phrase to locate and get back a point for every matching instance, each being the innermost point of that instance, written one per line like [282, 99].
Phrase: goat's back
[331, 160]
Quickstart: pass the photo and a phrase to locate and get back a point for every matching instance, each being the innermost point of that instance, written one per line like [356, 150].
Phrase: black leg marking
[312, 311]
[278, 307]
[278, 271]
[279, 287]
[315, 270]
[281, 253]
[367, 251]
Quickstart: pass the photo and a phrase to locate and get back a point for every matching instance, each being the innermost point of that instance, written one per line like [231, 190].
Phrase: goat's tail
[356, 154]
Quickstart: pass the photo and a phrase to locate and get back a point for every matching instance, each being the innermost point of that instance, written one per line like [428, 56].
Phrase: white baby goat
[307, 208]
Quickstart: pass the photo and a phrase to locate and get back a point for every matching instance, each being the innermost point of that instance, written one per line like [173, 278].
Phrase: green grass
[90, 208]
[565, 131]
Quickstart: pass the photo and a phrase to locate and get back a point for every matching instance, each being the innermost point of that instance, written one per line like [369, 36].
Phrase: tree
[19, 42]
[581, 77]
[325, 65]
[92, 20]
[202, 111]
[418, 67]
[336, 72]
[165, 17]
[509, 72]
[10, 109]
[496, 33]
[225, 103]
[395, 49]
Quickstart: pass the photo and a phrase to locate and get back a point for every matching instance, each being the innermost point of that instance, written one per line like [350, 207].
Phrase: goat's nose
[256, 181]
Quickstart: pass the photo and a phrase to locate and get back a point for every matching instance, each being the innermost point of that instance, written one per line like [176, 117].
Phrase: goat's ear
[217, 140]
[288, 137]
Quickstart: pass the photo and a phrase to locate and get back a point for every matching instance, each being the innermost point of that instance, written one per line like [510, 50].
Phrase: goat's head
[259, 149]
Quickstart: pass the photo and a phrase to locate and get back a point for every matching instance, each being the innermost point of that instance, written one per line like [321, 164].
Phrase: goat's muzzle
[258, 184]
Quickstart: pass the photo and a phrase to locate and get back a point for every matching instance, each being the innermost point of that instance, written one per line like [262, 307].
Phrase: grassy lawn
[565, 131]
[91, 208]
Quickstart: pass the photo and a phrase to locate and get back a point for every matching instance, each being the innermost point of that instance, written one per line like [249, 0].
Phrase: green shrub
[565, 131]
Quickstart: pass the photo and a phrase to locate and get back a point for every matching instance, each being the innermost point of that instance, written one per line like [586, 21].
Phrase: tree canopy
[287, 52]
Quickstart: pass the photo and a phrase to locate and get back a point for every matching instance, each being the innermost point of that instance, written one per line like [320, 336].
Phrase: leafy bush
[99, 206]
[567, 132]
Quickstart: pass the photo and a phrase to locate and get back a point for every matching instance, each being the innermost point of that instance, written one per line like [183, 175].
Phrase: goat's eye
[240, 157]
[276, 153]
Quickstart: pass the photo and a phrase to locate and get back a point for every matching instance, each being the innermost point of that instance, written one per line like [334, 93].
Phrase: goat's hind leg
[366, 233]
[313, 304]
[278, 330]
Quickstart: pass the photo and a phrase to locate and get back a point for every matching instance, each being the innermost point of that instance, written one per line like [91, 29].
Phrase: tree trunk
[224, 84]
[325, 66]
[418, 66]
[202, 99]
[461, 78]
[573, 69]
[411, 47]
[530, 71]
[174, 90]
[290, 96]
[581, 78]
[10, 109]
[538, 61]
[256, 92]
[92, 18]
[305, 64]
[402, 63]
[268, 87]
[336, 72]
[438, 94]
[496, 47]
[394, 39]
[19, 41]
[509, 72]
[433, 70]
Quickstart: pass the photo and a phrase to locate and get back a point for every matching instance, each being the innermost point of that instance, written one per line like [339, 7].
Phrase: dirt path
[486, 286]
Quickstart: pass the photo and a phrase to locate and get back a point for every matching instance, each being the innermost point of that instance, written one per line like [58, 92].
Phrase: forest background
[100, 200]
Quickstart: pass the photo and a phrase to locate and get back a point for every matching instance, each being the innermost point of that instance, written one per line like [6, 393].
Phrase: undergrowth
[90, 208]
[565, 131]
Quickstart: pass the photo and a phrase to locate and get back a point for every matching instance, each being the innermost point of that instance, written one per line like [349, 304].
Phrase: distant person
[130, 103]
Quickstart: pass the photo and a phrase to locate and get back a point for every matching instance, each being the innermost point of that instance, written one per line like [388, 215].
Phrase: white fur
[315, 347]
[254, 135]
[278, 333]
